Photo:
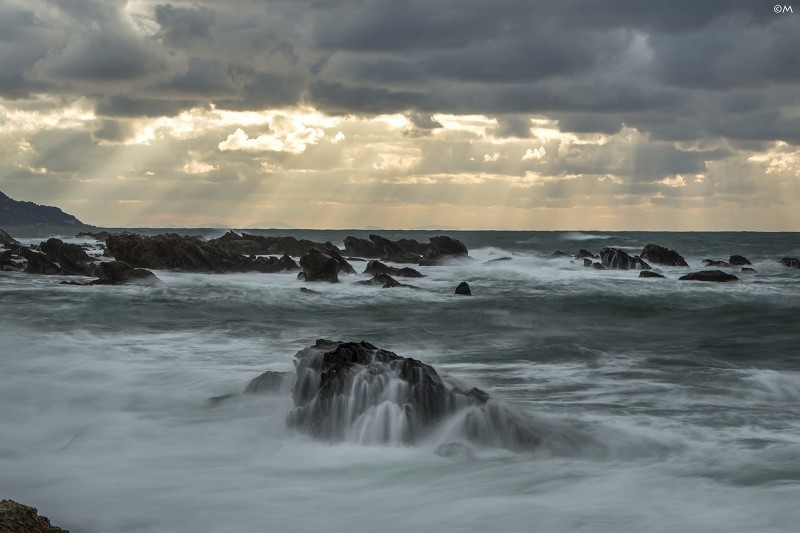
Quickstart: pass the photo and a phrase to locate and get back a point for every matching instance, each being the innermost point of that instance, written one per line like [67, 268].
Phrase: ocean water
[676, 404]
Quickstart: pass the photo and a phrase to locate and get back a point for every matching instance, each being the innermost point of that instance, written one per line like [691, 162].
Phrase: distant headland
[15, 213]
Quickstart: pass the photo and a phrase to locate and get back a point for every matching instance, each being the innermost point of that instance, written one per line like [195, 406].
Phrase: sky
[501, 114]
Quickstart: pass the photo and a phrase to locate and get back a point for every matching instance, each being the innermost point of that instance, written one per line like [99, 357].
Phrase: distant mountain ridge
[17, 213]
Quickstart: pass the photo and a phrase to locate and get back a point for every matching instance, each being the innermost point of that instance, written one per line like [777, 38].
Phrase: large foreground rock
[708, 275]
[18, 518]
[613, 258]
[662, 256]
[319, 266]
[356, 391]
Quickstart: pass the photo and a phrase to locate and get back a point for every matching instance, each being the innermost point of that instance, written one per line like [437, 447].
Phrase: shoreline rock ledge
[18, 518]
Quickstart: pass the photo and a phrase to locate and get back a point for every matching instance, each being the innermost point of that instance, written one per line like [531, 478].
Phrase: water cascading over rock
[357, 392]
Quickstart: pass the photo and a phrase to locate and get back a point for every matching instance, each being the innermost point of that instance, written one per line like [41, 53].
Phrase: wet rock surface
[662, 256]
[464, 289]
[616, 259]
[649, 274]
[791, 262]
[709, 275]
[18, 518]
[376, 267]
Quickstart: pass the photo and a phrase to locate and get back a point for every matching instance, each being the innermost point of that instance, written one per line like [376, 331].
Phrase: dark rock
[362, 247]
[247, 244]
[557, 254]
[38, 263]
[613, 258]
[587, 262]
[392, 251]
[98, 236]
[598, 266]
[398, 400]
[342, 266]
[443, 245]
[582, 254]
[306, 289]
[497, 260]
[73, 259]
[376, 267]
[663, 256]
[118, 272]
[751, 270]
[708, 275]
[649, 274]
[739, 260]
[318, 266]
[716, 263]
[791, 262]
[269, 382]
[18, 518]
[383, 280]
[20, 213]
[11, 262]
[463, 289]
[7, 240]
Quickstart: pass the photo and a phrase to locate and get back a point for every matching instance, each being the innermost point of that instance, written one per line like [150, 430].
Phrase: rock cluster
[18, 518]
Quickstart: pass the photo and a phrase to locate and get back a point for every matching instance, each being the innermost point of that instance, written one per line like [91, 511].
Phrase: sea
[676, 404]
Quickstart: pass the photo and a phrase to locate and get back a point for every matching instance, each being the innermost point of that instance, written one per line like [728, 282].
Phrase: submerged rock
[662, 256]
[739, 260]
[791, 262]
[356, 391]
[382, 280]
[708, 275]
[557, 254]
[18, 518]
[587, 262]
[613, 258]
[716, 263]
[117, 272]
[376, 267]
[270, 382]
[582, 254]
[598, 266]
[750, 270]
[497, 260]
[649, 274]
[463, 289]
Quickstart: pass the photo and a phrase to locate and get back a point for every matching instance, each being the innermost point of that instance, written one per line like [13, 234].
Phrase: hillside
[16, 213]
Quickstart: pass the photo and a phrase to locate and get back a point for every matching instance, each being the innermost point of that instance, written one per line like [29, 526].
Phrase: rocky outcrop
[188, 253]
[463, 289]
[7, 240]
[558, 254]
[406, 250]
[362, 248]
[791, 262]
[11, 262]
[598, 266]
[18, 518]
[247, 244]
[119, 272]
[587, 262]
[709, 275]
[582, 254]
[319, 266]
[358, 392]
[649, 274]
[739, 260]
[376, 267]
[73, 260]
[38, 263]
[662, 256]
[394, 252]
[613, 258]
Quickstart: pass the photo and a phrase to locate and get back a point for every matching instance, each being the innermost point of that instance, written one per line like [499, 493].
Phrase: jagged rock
[557, 254]
[342, 266]
[11, 262]
[247, 244]
[662, 256]
[613, 258]
[376, 267]
[443, 245]
[38, 263]
[73, 260]
[318, 266]
[362, 248]
[7, 240]
[118, 272]
[18, 518]
[587, 262]
[383, 280]
[270, 382]
[708, 275]
[598, 266]
[463, 289]
[356, 391]
[791, 262]
[393, 252]
[649, 274]
[739, 260]
[716, 263]
[751, 270]
[582, 254]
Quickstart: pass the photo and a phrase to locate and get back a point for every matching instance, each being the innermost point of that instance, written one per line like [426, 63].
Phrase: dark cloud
[180, 25]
